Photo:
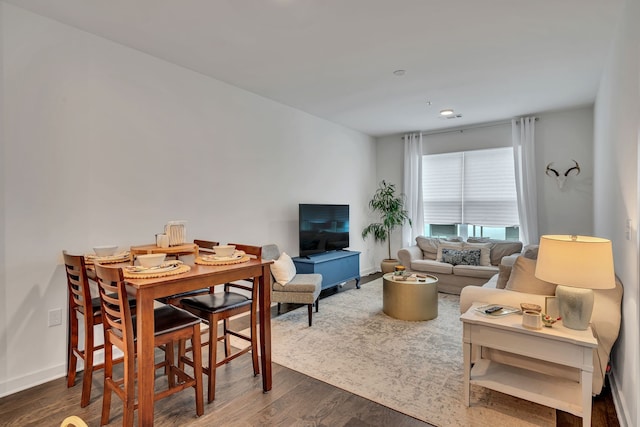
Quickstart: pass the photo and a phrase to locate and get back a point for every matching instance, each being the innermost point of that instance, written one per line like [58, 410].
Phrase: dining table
[147, 290]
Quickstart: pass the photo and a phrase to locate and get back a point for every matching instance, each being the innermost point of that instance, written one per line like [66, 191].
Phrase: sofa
[516, 283]
[455, 262]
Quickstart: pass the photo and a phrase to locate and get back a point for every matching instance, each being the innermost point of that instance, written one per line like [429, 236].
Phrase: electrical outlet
[55, 317]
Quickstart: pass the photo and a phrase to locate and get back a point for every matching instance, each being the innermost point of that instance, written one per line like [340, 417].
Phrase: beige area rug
[412, 367]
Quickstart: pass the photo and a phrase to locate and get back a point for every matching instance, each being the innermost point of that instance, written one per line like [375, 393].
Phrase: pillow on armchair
[283, 269]
[523, 279]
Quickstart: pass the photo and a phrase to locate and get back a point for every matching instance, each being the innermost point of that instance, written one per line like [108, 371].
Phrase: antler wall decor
[561, 178]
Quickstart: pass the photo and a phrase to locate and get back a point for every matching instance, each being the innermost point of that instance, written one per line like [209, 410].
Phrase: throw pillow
[428, 246]
[473, 239]
[499, 248]
[283, 269]
[461, 257]
[530, 251]
[502, 249]
[485, 251]
[503, 276]
[447, 245]
[523, 279]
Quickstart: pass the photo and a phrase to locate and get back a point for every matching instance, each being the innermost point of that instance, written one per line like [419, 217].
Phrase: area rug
[412, 367]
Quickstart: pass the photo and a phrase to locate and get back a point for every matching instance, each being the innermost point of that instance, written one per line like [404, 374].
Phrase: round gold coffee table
[410, 300]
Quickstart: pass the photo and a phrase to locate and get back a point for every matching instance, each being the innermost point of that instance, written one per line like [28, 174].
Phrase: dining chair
[171, 324]
[237, 298]
[206, 247]
[81, 305]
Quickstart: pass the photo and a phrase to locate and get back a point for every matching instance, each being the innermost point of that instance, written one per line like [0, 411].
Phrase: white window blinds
[471, 187]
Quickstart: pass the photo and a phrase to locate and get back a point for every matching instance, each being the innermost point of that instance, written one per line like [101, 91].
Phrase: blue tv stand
[336, 267]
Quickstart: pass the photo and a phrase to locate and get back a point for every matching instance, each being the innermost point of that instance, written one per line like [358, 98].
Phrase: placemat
[245, 258]
[111, 259]
[151, 275]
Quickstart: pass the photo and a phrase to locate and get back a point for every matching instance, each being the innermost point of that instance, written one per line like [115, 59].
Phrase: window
[470, 193]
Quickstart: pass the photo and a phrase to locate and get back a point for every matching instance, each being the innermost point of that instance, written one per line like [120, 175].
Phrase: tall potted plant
[390, 207]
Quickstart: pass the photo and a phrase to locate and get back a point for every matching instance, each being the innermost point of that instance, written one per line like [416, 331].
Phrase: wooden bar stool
[204, 246]
[222, 306]
[172, 325]
[81, 305]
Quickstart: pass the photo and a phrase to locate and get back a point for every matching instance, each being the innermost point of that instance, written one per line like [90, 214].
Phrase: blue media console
[336, 267]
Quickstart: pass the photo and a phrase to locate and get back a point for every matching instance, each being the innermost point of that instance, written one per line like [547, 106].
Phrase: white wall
[3, 297]
[104, 144]
[563, 136]
[560, 136]
[616, 124]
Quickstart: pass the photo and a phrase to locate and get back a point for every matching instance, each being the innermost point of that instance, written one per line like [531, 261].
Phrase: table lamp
[577, 264]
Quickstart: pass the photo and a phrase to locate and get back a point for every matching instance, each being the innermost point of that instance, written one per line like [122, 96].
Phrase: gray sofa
[429, 256]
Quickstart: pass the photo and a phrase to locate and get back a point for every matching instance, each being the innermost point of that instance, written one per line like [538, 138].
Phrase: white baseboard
[33, 379]
[369, 271]
[623, 415]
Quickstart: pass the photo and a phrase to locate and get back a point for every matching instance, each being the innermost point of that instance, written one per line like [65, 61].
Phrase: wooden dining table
[147, 291]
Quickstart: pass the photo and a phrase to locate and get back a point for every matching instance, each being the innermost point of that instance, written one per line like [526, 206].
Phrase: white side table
[558, 344]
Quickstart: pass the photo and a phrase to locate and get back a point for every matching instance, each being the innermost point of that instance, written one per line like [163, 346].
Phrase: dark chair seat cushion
[217, 302]
[165, 300]
[167, 319]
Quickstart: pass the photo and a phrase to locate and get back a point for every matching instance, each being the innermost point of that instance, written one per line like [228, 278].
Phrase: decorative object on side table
[551, 307]
[525, 306]
[548, 320]
[531, 319]
[392, 214]
[496, 310]
[577, 264]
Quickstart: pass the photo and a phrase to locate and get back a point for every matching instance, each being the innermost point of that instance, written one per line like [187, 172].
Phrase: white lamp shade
[576, 261]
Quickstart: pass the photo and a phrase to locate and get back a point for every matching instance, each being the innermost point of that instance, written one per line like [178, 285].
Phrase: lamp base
[576, 306]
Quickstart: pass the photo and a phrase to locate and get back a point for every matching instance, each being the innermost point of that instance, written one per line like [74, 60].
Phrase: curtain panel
[413, 188]
[523, 137]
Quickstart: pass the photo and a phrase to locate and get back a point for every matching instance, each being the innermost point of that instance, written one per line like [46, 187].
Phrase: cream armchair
[301, 289]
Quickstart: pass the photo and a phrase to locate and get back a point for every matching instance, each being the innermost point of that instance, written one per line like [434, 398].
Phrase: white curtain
[413, 188]
[523, 135]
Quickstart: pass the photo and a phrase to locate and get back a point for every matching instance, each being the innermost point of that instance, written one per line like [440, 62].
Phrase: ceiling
[487, 60]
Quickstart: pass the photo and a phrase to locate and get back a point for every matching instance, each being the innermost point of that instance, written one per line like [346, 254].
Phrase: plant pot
[388, 265]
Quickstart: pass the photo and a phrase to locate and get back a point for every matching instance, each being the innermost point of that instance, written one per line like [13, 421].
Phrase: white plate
[136, 269]
[109, 257]
[91, 258]
[235, 256]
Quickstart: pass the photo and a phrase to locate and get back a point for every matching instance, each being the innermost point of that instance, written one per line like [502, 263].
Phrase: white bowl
[106, 250]
[151, 260]
[224, 250]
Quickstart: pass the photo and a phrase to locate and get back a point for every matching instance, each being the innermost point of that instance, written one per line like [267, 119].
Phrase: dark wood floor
[296, 399]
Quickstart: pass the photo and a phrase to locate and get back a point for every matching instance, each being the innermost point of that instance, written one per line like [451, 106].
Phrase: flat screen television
[323, 228]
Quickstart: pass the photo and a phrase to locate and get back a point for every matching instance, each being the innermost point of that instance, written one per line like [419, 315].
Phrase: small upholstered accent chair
[301, 289]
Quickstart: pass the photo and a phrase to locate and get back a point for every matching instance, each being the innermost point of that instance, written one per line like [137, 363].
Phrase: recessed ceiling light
[446, 112]
[399, 72]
